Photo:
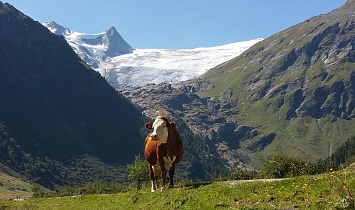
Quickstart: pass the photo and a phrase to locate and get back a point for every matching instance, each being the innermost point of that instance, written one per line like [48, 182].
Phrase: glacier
[123, 66]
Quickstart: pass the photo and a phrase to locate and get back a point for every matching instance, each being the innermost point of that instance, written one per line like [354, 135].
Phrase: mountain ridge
[300, 79]
[136, 67]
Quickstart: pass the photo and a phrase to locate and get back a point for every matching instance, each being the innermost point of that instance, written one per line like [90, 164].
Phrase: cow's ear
[149, 125]
[172, 124]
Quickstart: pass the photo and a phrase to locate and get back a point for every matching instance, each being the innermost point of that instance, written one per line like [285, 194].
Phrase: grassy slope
[11, 187]
[307, 192]
[301, 136]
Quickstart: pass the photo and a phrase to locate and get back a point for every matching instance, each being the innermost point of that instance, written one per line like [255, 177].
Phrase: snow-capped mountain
[123, 66]
[93, 48]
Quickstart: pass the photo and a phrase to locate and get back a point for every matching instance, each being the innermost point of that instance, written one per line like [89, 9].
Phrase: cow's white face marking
[160, 130]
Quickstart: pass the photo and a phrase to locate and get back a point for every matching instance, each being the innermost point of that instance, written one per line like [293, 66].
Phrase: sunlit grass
[12, 188]
[305, 192]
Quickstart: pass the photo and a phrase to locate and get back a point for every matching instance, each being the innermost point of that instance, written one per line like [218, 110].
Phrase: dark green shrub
[241, 174]
[281, 166]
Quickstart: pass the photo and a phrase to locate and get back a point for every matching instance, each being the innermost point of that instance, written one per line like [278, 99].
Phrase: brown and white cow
[163, 150]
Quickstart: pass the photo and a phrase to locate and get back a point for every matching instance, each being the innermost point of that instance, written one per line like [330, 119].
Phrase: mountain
[93, 48]
[56, 113]
[293, 92]
[135, 67]
[62, 123]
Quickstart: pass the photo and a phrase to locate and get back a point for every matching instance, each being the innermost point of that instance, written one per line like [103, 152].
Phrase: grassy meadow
[334, 190]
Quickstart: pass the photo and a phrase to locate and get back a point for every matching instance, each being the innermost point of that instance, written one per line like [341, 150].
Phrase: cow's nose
[153, 135]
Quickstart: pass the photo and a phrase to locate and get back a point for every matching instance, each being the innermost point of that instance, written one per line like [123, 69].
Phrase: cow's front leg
[163, 173]
[153, 185]
[152, 178]
[171, 175]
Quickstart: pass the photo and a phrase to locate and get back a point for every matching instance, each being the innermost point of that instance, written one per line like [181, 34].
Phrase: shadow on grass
[197, 185]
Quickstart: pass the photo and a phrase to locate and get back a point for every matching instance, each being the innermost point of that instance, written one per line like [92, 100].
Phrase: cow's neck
[170, 157]
[168, 145]
[169, 142]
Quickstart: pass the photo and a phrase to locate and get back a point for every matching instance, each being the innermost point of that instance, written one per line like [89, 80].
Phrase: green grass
[11, 188]
[306, 192]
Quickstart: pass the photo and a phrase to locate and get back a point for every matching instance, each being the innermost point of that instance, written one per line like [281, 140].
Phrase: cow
[163, 150]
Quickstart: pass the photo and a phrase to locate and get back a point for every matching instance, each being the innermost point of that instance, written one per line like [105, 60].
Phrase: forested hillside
[344, 155]
[54, 109]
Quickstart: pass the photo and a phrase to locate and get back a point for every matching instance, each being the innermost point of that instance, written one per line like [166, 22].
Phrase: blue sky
[177, 24]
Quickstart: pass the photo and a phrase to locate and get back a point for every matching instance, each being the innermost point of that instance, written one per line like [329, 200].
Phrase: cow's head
[160, 129]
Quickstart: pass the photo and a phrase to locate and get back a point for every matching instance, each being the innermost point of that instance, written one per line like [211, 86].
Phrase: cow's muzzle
[154, 137]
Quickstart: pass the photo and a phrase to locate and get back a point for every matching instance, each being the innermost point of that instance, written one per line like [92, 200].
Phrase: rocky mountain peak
[115, 43]
[57, 29]
[112, 31]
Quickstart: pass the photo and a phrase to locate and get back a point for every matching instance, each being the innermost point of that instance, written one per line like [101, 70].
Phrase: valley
[73, 105]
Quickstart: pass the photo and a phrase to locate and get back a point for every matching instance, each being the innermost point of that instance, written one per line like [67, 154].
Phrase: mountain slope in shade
[129, 67]
[54, 108]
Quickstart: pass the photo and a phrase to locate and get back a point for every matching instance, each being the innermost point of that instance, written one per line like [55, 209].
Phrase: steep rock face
[292, 92]
[116, 44]
[56, 108]
[311, 65]
[203, 115]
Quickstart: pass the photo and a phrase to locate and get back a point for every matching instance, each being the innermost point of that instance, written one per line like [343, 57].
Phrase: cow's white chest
[169, 162]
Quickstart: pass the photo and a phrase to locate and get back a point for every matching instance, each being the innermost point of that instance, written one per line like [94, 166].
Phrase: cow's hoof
[152, 190]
